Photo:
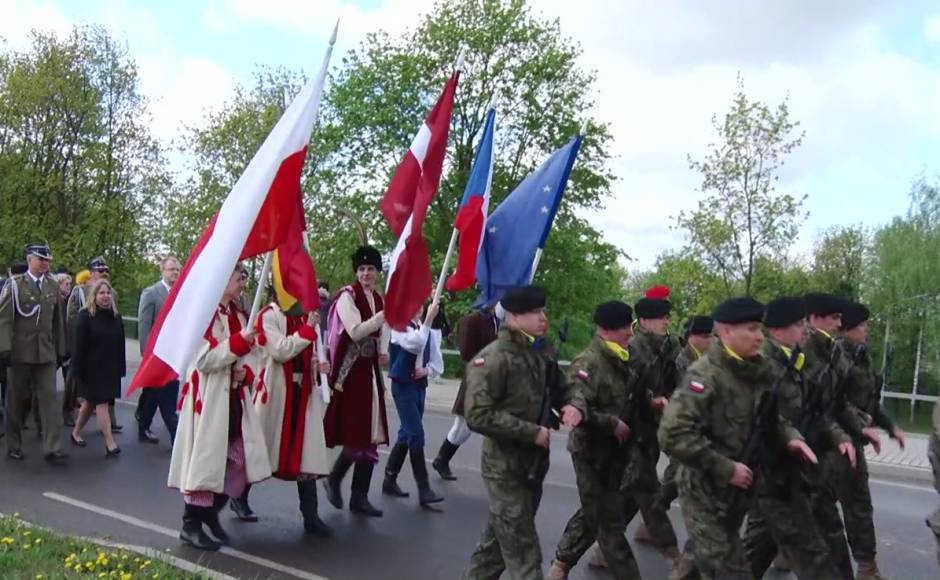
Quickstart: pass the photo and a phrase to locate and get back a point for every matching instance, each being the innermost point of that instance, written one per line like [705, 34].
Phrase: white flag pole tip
[583, 129]
[333, 36]
[458, 64]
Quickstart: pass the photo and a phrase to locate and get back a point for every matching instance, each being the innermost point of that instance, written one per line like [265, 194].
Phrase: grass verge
[33, 553]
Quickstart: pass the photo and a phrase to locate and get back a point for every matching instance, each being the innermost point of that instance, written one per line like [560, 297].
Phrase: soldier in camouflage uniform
[854, 493]
[597, 448]
[32, 340]
[829, 436]
[655, 353]
[781, 517]
[506, 386]
[933, 451]
[705, 428]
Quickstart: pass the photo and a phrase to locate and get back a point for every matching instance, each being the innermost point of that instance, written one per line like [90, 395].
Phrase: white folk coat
[201, 446]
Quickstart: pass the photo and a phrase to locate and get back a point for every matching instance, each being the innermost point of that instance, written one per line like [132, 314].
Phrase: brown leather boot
[868, 570]
[557, 571]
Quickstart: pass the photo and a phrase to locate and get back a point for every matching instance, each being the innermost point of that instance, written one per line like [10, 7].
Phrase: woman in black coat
[99, 362]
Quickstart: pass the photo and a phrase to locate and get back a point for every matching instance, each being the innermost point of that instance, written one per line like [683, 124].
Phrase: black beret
[40, 250]
[739, 311]
[367, 256]
[523, 299]
[613, 315]
[97, 264]
[699, 325]
[854, 314]
[784, 311]
[822, 304]
[652, 308]
[62, 270]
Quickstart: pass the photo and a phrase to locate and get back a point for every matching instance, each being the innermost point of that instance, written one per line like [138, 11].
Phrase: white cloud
[17, 19]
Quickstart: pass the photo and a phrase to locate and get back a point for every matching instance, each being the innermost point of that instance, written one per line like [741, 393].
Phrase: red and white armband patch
[479, 362]
[583, 375]
[696, 387]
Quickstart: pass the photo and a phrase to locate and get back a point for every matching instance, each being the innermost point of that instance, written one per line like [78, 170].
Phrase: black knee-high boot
[192, 533]
[441, 463]
[359, 501]
[332, 483]
[395, 461]
[241, 508]
[426, 495]
[307, 492]
[212, 519]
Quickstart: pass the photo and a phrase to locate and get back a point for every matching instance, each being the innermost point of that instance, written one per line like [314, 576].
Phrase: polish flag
[471, 216]
[255, 218]
[405, 207]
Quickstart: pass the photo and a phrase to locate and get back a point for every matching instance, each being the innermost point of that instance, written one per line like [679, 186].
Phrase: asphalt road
[126, 499]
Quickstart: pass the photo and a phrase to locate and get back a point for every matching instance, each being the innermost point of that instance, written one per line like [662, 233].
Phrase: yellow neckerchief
[824, 333]
[732, 354]
[698, 353]
[527, 335]
[620, 352]
[800, 358]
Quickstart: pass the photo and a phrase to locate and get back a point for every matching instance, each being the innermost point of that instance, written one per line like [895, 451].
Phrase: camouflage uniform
[604, 381]
[825, 437]
[782, 516]
[669, 491]
[854, 492]
[933, 522]
[649, 349]
[505, 386]
[705, 426]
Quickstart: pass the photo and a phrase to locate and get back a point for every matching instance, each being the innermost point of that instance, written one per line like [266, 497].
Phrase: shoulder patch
[479, 362]
[583, 375]
[696, 387]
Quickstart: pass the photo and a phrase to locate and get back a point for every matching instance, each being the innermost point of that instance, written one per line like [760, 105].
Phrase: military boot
[192, 533]
[426, 495]
[558, 571]
[331, 484]
[597, 559]
[395, 461]
[241, 508]
[210, 517]
[307, 492]
[359, 499]
[441, 463]
[868, 570]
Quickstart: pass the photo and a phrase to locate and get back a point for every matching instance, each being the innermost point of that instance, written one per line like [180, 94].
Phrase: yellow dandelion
[27, 532]
[102, 574]
[8, 540]
[124, 557]
[126, 576]
[37, 541]
[39, 576]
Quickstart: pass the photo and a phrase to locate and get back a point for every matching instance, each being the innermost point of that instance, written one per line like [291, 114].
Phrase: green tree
[78, 166]
[743, 221]
[838, 261]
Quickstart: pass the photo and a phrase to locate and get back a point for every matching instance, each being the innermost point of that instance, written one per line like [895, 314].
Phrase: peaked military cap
[823, 304]
[367, 256]
[613, 315]
[699, 324]
[784, 311]
[854, 314]
[39, 250]
[739, 311]
[523, 299]
[97, 264]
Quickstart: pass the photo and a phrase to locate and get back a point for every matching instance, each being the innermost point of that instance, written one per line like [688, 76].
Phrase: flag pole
[458, 67]
[256, 304]
[324, 380]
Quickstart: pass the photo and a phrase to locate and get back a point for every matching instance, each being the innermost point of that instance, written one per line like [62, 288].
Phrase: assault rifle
[761, 424]
[813, 409]
[547, 416]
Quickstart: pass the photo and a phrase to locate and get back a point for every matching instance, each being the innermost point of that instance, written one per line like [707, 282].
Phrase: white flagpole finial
[492, 104]
[458, 64]
[583, 129]
[333, 36]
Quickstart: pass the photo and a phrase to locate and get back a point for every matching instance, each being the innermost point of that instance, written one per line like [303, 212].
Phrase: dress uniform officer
[32, 338]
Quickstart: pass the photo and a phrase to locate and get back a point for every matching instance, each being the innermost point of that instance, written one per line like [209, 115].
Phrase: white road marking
[909, 486]
[263, 562]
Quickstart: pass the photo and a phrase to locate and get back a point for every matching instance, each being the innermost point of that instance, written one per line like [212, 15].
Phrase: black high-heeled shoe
[77, 442]
[112, 452]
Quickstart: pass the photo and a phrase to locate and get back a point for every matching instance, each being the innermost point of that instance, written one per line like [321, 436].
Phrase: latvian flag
[405, 207]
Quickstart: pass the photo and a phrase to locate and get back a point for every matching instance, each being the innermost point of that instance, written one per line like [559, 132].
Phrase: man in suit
[32, 338]
[157, 397]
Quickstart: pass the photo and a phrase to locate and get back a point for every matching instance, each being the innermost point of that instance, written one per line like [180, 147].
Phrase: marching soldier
[32, 339]
[855, 494]
[781, 518]
[506, 386]
[656, 353]
[705, 428]
[596, 447]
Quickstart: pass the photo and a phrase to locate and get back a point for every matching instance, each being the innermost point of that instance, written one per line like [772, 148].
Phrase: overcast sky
[863, 79]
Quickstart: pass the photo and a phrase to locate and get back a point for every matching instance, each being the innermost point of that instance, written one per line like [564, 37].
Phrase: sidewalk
[911, 463]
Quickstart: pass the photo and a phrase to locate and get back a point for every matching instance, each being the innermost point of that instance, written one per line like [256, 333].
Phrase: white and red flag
[255, 218]
[405, 207]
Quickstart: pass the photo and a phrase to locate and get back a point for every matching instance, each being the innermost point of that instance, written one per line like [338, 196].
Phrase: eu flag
[520, 226]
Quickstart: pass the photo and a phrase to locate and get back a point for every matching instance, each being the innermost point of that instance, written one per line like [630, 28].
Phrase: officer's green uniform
[32, 330]
[854, 493]
[933, 522]
[505, 387]
[781, 516]
[825, 438]
[604, 378]
[705, 427]
[655, 357]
